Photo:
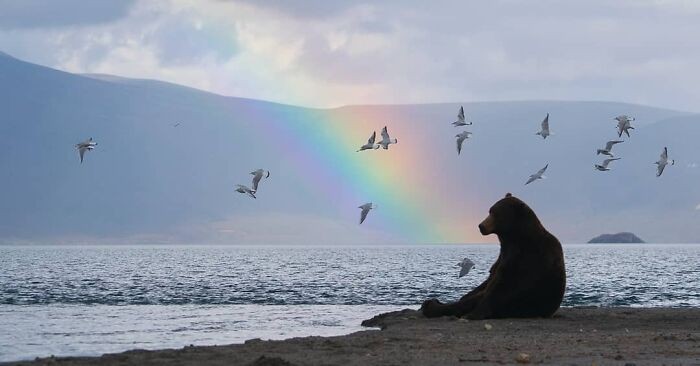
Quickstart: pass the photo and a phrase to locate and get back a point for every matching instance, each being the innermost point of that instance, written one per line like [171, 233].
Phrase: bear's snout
[487, 226]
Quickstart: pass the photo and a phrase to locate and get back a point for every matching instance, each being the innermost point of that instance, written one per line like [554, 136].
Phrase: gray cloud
[58, 13]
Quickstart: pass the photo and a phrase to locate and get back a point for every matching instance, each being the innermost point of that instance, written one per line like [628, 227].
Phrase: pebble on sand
[488, 326]
[523, 358]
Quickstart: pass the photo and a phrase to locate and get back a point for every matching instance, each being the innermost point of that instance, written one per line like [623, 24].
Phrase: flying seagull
[538, 175]
[466, 265]
[257, 175]
[604, 167]
[370, 143]
[365, 210]
[663, 161]
[85, 146]
[544, 132]
[624, 124]
[176, 124]
[608, 147]
[245, 190]
[386, 140]
[460, 119]
[460, 139]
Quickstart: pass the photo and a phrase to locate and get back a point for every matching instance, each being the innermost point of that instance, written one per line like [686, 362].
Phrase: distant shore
[574, 336]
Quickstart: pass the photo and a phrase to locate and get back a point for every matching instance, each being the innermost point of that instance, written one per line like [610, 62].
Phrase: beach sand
[574, 336]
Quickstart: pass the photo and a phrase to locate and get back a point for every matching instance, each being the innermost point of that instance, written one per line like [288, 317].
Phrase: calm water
[90, 300]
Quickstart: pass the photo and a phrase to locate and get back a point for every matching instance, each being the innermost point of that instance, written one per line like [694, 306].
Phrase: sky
[328, 53]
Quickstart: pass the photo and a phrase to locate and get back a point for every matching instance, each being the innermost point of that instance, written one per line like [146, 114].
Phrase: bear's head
[509, 216]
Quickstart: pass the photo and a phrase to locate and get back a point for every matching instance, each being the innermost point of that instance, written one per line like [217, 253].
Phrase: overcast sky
[331, 53]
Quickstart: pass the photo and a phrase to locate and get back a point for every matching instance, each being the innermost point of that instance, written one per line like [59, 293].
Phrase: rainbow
[398, 180]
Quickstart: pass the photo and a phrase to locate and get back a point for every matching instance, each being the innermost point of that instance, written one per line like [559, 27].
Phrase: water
[87, 300]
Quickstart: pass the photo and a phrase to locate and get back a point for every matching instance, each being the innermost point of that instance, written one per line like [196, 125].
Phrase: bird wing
[545, 123]
[664, 154]
[460, 115]
[464, 271]
[541, 171]
[82, 150]
[460, 140]
[256, 180]
[532, 179]
[385, 134]
[607, 161]
[660, 169]
[372, 138]
[363, 214]
[610, 144]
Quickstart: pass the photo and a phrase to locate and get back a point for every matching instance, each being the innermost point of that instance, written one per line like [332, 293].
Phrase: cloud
[19, 14]
[332, 53]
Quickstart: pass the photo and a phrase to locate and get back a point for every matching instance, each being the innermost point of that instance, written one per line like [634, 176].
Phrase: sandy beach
[574, 336]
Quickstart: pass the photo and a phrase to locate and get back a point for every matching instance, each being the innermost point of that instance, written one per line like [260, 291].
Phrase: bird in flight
[538, 175]
[257, 176]
[386, 140]
[604, 167]
[365, 210]
[544, 131]
[663, 161]
[84, 146]
[245, 190]
[460, 140]
[466, 265]
[461, 121]
[370, 143]
[608, 148]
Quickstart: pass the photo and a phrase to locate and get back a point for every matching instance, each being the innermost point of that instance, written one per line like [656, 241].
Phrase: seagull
[85, 146]
[460, 139]
[386, 140]
[177, 124]
[460, 119]
[257, 175]
[663, 161]
[604, 167]
[365, 210]
[624, 118]
[608, 146]
[466, 264]
[245, 190]
[624, 125]
[370, 143]
[538, 175]
[545, 128]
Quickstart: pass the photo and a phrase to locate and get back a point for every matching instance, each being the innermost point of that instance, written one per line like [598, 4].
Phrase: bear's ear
[508, 195]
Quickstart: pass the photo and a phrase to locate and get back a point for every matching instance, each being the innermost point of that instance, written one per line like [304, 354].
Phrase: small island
[623, 238]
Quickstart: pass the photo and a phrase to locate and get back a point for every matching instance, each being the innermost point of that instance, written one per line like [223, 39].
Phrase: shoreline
[624, 336]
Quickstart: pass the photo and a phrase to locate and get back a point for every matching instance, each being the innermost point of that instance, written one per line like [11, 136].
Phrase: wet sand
[574, 336]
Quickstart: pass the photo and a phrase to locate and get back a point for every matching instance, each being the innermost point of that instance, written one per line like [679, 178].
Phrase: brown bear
[528, 278]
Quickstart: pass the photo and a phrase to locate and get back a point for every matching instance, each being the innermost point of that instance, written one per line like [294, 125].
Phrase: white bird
[663, 161]
[608, 147]
[365, 210]
[370, 143]
[604, 167]
[460, 139]
[538, 175]
[257, 175]
[245, 190]
[85, 146]
[461, 121]
[386, 140]
[544, 132]
[466, 265]
[624, 125]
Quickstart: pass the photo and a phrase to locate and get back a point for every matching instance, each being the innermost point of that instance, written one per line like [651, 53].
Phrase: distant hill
[619, 238]
[150, 182]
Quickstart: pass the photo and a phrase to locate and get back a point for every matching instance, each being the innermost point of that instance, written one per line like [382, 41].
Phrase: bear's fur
[528, 278]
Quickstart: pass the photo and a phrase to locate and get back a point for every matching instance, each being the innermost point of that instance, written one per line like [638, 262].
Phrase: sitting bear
[528, 278]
